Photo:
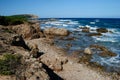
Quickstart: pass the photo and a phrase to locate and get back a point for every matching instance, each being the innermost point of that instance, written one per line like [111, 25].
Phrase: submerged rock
[94, 34]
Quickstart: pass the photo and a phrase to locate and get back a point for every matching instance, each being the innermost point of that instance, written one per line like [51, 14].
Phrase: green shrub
[12, 20]
[9, 64]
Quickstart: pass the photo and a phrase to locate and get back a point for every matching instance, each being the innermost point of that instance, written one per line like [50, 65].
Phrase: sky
[62, 8]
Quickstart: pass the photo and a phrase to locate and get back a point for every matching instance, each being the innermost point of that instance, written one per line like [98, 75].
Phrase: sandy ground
[71, 70]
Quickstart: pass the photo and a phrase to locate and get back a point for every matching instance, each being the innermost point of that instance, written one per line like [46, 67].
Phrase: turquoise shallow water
[111, 39]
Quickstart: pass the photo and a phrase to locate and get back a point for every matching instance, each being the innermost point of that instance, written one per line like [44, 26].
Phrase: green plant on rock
[9, 64]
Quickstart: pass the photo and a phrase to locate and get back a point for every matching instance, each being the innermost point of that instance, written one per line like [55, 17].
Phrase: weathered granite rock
[57, 31]
[17, 40]
[28, 31]
[54, 62]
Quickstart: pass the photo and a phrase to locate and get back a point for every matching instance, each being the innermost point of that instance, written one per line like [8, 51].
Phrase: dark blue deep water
[111, 39]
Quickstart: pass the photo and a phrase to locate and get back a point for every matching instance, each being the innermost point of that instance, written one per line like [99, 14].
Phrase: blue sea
[110, 40]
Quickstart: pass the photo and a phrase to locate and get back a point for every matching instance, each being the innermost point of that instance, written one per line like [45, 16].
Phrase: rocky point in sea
[44, 59]
[84, 34]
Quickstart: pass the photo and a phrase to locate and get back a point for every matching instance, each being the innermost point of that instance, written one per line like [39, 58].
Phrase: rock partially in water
[103, 51]
[94, 34]
[102, 30]
[57, 31]
[88, 51]
[85, 29]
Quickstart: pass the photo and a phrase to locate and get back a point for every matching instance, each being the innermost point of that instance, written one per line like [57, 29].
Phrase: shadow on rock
[53, 76]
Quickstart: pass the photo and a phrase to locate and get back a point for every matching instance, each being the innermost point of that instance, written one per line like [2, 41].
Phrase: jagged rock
[36, 72]
[57, 31]
[17, 40]
[27, 30]
[85, 29]
[87, 51]
[101, 30]
[103, 51]
[54, 62]
[34, 52]
[68, 45]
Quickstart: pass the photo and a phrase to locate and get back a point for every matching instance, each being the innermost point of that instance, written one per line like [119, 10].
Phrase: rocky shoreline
[43, 60]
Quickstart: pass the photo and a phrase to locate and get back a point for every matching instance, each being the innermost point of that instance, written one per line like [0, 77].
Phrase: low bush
[9, 64]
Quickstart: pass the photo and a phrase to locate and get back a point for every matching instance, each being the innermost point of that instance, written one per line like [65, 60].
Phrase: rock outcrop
[28, 31]
[94, 34]
[85, 29]
[57, 31]
[101, 30]
[17, 40]
[55, 63]
[103, 51]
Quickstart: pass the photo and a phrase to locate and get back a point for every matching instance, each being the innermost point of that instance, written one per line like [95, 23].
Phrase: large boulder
[28, 31]
[57, 31]
[101, 30]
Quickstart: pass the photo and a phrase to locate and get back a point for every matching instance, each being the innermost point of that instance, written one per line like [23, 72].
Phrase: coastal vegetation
[12, 20]
[9, 63]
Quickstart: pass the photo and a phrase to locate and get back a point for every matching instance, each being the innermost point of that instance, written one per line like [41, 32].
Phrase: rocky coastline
[43, 60]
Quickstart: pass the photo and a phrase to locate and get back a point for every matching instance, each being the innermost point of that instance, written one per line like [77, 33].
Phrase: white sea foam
[87, 26]
[73, 23]
[92, 22]
[64, 20]
[105, 39]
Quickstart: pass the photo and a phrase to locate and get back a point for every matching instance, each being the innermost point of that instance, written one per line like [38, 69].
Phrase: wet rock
[57, 31]
[70, 38]
[94, 34]
[88, 51]
[107, 54]
[85, 29]
[85, 58]
[101, 30]
[68, 45]
[103, 51]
